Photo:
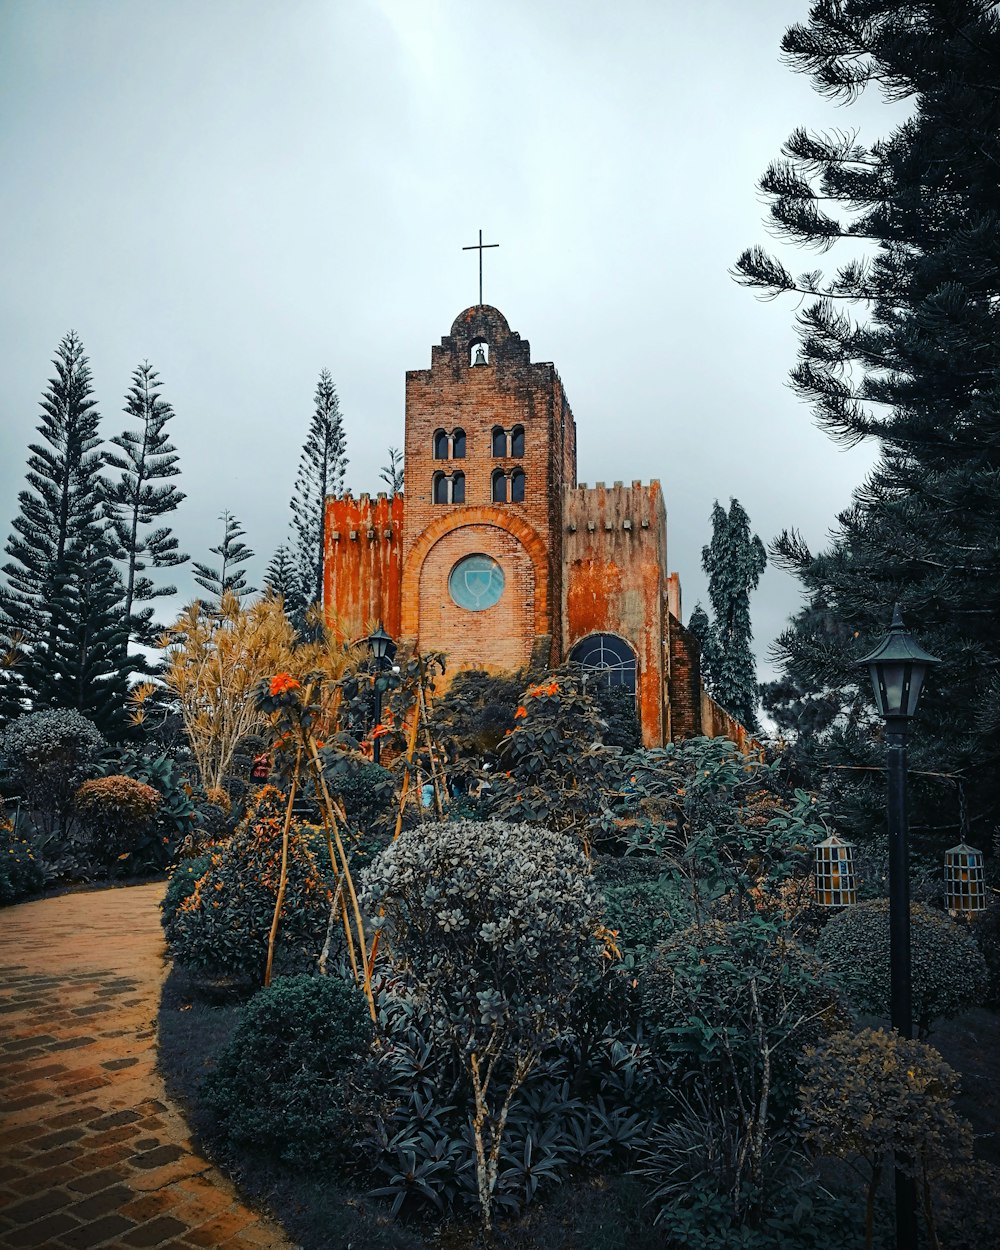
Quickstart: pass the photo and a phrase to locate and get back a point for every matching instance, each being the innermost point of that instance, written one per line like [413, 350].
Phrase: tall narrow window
[499, 486]
[517, 487]
[458, 444]
[458, 488]
[440, 445]
[499, 441]
[517, 441]
[440, 488]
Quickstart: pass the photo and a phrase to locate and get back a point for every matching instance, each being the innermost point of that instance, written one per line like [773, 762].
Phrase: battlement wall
[362, 567]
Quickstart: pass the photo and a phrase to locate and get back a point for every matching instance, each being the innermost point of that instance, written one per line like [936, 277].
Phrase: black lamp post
[383, 649]
[897, 667]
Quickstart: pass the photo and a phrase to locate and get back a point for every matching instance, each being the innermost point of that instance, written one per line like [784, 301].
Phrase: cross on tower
[478, 247]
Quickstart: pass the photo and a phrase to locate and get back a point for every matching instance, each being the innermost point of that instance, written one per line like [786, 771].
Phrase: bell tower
[490, 444]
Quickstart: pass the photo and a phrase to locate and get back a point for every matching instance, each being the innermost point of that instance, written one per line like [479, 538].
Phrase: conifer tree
[232, 552]
[56, 550]
[734, 561]
[903, 347]
[139, 498]
[321, 473]
[282, 579]
[392, 473]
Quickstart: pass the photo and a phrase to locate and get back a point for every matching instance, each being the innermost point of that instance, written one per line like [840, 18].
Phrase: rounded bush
[949, 972]
[221, 929]
[50, 754]
[115, 812]
[281, 1082]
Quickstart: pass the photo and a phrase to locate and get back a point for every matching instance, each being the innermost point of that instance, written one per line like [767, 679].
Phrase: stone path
[92, 1153]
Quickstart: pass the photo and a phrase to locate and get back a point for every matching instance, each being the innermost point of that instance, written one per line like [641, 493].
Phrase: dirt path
[92, 1153]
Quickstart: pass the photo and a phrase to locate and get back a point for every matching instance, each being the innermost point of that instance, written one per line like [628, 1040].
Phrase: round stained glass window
[476, 583]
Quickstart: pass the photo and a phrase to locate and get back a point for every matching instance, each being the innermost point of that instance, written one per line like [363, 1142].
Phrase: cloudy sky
[245, 192]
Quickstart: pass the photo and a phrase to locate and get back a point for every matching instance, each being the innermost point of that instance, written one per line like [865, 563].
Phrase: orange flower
[521, 711]
[282, 682]
[553, 688]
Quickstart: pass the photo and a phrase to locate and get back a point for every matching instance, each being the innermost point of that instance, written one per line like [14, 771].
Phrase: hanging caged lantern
[835, 881]
[964, 882]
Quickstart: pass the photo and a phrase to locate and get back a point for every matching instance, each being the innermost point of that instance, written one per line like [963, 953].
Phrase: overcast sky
[245, 192]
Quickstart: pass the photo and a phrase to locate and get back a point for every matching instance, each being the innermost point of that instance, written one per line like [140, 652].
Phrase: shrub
[366, 790]
[493, 927]
[175, 815]
[20, 873]
[115, 812]
[182, 885]
[948, 970]
[985, 930]
[50, 754]
[281, 1082]
[221, 929]
[884, 1099]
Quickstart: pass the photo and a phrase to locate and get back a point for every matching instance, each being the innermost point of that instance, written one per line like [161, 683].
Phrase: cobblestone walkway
[92, 1154]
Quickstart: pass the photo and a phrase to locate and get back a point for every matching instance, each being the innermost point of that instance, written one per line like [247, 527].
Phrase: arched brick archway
[441, 527]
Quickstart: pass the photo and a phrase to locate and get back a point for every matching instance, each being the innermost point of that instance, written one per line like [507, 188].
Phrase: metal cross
[478, 247]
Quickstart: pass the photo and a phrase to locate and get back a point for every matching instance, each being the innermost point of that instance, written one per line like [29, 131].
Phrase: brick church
[497, 557]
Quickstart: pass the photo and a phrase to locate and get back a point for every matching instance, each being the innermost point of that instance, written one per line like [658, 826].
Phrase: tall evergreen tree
[282, 579]
[59, 537]
[232, 552]
[734, 561]
[918, 370]
[321, 473]
[139, 498]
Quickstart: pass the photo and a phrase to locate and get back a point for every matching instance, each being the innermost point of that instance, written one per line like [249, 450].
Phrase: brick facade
[576, 561]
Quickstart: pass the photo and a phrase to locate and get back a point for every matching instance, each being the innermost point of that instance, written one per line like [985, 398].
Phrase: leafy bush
[115, 813]
[221, 929]
[493, 927]
[281, 1082]
[20, 873]
[366, 790]
[985, 930]
[175, 816]
[885, 1100]
[949, 973]
[182, 884]
[50, 754]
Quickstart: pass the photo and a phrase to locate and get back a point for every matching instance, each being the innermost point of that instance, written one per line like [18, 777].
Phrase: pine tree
[392, 473]
[282, 579]
[232, 552]
[321, 473]
[58, 542]
[734, 561]
[917, 370]
[137, 500]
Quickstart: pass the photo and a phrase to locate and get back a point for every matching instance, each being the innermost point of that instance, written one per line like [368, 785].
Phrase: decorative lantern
[897, 668]
[835, 882]
[964, 884]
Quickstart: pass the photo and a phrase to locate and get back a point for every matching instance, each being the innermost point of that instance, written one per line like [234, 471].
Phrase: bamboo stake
[283, 878]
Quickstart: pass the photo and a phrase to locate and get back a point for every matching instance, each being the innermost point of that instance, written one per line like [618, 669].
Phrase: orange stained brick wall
[363, 557]
[615, 582]
[510, 390]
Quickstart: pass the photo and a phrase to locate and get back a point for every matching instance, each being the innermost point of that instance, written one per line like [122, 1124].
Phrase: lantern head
[897, 667]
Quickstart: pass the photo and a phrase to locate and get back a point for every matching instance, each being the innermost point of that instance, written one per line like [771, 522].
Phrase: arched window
[517, 487]
[440, 488]
[499, 486]
[458, 444]
[440, 445]
[479, 352]
[499, 441]
[517, 441]
[458, 488]
[611, 659]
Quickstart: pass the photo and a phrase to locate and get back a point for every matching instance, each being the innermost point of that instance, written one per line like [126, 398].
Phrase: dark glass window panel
[517, 441]
[440, 445]
[458, 488]
[499, 488]
[458, 444]
[517, 488]
[609, 656]
[440, 488]
[499, 441]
